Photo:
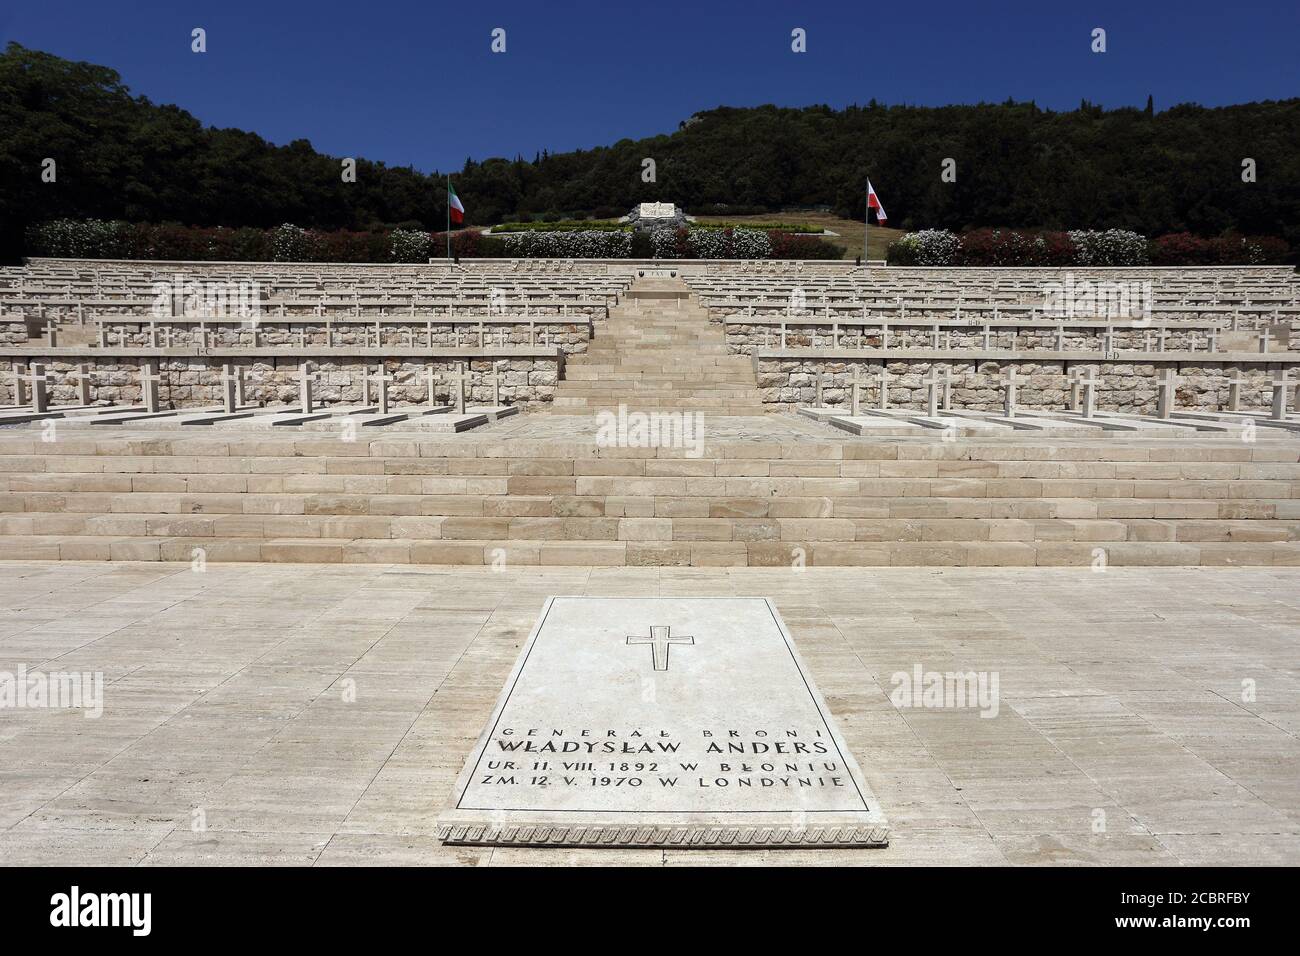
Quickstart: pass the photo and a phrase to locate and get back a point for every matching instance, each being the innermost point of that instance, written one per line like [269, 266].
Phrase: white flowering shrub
[664, 243]
[928, 247]
[751, 244]
[1110, 247]
[409, 245]
[77, 239]
[290, 243]
[577, 244]
[709, 244]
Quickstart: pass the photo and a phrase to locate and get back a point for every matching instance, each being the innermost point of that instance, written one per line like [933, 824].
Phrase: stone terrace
[1121, 692]
[539, 489]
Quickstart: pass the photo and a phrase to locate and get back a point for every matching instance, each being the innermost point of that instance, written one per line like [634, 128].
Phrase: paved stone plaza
[299, 714]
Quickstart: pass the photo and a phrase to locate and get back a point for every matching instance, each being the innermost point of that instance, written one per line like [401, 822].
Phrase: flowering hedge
[739, 243]
[95, 239]
[1110, 247]
[290, 243]
[409, 245]
[727, 244]
[1183, 248]
[103, 239]
[583, 244]
[98, 239]
[928, 247]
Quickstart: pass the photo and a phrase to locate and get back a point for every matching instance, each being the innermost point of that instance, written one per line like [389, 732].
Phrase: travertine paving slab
[320, 714]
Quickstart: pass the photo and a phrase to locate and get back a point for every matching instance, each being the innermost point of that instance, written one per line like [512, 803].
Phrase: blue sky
[415, 83]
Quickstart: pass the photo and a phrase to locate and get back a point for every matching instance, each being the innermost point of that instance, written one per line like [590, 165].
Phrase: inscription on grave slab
[681, 722]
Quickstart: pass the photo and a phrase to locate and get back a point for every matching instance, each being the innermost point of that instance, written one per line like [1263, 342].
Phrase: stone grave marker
[661, 722]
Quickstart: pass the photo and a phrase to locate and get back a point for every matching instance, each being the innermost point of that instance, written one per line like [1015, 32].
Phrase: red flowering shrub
[1180, 249]
[789, 245]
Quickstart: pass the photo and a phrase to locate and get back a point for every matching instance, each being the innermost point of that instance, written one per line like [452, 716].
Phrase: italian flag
[873, 202]
[454, 207]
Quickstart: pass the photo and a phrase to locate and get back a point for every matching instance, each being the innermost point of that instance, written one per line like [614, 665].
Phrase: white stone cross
[233, 381]
[458, 377]
[1009, 392]
[1089, 383]
[1280, 385]
[857, 389]
[52, 330]
[37, 377]
[1263, 340]
[933, 384]
[496, 385]
[19, 373]
[82, 376]
[1167, 397]
[306, 377]
[228, 399]
[381, 378]
[884, 387]
[1234, 391]
[660, 640]
[149, 380]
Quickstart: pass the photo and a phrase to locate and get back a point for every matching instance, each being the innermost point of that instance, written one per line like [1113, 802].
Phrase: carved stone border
[542, 834]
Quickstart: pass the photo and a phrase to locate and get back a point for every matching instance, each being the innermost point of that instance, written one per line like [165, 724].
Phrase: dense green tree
[123, 157]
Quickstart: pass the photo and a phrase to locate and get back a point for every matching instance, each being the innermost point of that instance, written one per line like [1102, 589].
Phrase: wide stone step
[822, 479]
[618, 553]
[540, 518]
[620, 497]
[23, 451]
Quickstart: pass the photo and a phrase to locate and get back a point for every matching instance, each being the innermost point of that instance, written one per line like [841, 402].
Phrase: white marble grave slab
[661, 722]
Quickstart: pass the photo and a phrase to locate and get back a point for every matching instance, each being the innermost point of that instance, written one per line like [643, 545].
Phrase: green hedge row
[105, 239]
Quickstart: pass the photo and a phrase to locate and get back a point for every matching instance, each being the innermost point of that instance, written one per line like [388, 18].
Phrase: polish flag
[873, 202]
[457, 210]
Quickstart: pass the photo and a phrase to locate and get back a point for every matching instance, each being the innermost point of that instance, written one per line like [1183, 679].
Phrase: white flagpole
[866, 219]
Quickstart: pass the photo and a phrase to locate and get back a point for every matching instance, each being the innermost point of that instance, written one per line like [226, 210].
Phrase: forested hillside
[123, 157]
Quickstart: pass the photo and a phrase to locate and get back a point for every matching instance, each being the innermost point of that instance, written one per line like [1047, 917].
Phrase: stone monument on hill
[650, 216]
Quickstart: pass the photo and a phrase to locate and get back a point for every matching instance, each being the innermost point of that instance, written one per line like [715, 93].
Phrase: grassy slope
[849, 232]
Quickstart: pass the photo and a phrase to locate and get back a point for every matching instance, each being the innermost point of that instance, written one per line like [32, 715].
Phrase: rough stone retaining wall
[746, 338]
[1123, 386]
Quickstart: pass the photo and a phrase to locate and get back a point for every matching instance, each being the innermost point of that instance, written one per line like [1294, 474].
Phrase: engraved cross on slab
[659, 642]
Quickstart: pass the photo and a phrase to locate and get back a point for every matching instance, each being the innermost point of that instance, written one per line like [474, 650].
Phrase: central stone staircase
[658, 352]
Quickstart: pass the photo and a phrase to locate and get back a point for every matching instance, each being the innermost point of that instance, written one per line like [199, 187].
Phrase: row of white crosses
[1083, 392]
[30, 386]
[942, 337]
[1167, 393]
[36, 377]
[164, 338]
[308, 376]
